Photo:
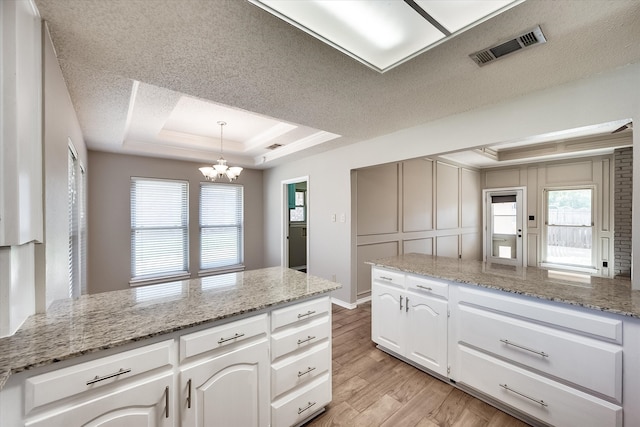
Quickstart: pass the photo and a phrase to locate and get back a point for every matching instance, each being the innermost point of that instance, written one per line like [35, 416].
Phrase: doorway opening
[504, 226]
[296, 224]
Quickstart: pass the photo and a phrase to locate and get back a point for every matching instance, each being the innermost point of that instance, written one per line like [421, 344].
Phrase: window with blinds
[159, 229]
[221, 226]
[73, 260]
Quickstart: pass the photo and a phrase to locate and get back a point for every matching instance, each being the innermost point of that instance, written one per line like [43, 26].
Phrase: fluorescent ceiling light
[383, 34]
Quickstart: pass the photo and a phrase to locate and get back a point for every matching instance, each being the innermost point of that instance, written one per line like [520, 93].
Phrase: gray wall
[419, 205]
[110, 222]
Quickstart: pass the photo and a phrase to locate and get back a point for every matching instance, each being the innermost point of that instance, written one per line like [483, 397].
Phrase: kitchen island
[183, 325]
[550, 347]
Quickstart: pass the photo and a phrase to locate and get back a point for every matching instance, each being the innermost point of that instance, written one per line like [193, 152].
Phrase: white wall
[600, 99]
[60, 126]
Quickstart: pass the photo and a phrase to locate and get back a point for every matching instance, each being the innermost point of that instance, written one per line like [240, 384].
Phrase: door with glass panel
[504, 227]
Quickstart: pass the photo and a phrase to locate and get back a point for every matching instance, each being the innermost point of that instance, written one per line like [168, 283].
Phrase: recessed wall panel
[377, 200]
[569, 173]
[502, 178]
[417, 195]
[447, 207]
[471, 246]
[418, 246]
[368, 253]
[447, 246]
[471, 212]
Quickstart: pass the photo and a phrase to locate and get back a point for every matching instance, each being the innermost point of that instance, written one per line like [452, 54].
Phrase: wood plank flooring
[371, 388]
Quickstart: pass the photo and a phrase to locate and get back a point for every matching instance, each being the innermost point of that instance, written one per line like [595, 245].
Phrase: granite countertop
[609, 295]
[96, 322]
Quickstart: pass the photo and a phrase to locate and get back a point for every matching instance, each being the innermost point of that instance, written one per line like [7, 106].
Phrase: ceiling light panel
[380, 34]
[383, 34]
[459, 14]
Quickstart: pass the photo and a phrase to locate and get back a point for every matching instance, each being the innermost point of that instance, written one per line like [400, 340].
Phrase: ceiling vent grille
[274, 146]
[490, 54]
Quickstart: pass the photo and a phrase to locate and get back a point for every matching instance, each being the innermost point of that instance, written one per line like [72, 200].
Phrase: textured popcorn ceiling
[239, 57]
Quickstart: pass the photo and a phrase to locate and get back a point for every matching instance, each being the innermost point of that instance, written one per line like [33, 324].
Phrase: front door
[504, 226]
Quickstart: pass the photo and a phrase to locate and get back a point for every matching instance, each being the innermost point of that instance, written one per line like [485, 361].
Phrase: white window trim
[203, 272]
[160, 278]
[592, 269]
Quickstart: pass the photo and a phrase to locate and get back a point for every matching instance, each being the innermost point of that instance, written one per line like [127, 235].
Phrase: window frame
[238, 266]
[159, 277]
[592, 267]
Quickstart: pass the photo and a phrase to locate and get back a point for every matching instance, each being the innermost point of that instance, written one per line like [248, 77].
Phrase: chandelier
[220, 169]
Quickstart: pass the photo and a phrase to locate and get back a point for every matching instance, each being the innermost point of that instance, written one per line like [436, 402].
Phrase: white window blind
[221, 226]
[72, 210]
[159, 229]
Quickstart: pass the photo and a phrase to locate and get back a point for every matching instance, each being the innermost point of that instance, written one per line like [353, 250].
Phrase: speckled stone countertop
[610, 295]
[95, 322]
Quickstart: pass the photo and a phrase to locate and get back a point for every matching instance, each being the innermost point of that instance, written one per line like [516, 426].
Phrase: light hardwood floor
[371, 388]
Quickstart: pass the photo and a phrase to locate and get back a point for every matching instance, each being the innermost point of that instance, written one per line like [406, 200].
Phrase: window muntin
[569, 227]
[221, 226]
[159, 229]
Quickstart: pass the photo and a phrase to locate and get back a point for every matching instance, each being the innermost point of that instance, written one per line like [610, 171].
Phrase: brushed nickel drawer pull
[540, 353]
[309, 405]
[223, 340]
[308, 313]
[189, 394]
[539, 402]
[426, 288]
[387, 278]
[400, 302]
[300, 373]
[106, 377]
[406, 305]
[166, 402]
[309, 338]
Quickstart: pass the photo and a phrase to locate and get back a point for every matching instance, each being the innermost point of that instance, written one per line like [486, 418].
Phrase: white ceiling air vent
[490, 54]
[274, 146]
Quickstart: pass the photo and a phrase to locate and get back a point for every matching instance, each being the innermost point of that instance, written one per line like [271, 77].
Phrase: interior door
[295, 246]
[504, 227]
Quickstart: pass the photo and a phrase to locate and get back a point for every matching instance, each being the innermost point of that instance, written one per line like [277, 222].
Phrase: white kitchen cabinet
[266, 369]
[139, 404]
[301, 361]
[228, 390]
[387, 317]
[559, 365]
[409, 318]
[549, 363]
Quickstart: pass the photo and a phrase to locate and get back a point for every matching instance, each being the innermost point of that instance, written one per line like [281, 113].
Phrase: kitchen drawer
[301, 337]
[602, 327]
[587, 362]
[548, 401]
[299, 313]
[52, 386]
[388, 277]
[428, 286]
[300, 368]
[295, 407]
[222, 336]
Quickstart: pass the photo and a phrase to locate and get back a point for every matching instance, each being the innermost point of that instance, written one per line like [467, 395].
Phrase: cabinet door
[146, 404]
[388, 317]
[426, 340]
[228, 390]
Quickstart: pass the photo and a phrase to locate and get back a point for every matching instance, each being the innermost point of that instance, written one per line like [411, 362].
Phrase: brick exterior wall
[623, 192]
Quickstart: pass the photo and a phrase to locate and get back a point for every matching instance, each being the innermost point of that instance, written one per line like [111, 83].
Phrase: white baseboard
[343, 304]
[363, 300]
